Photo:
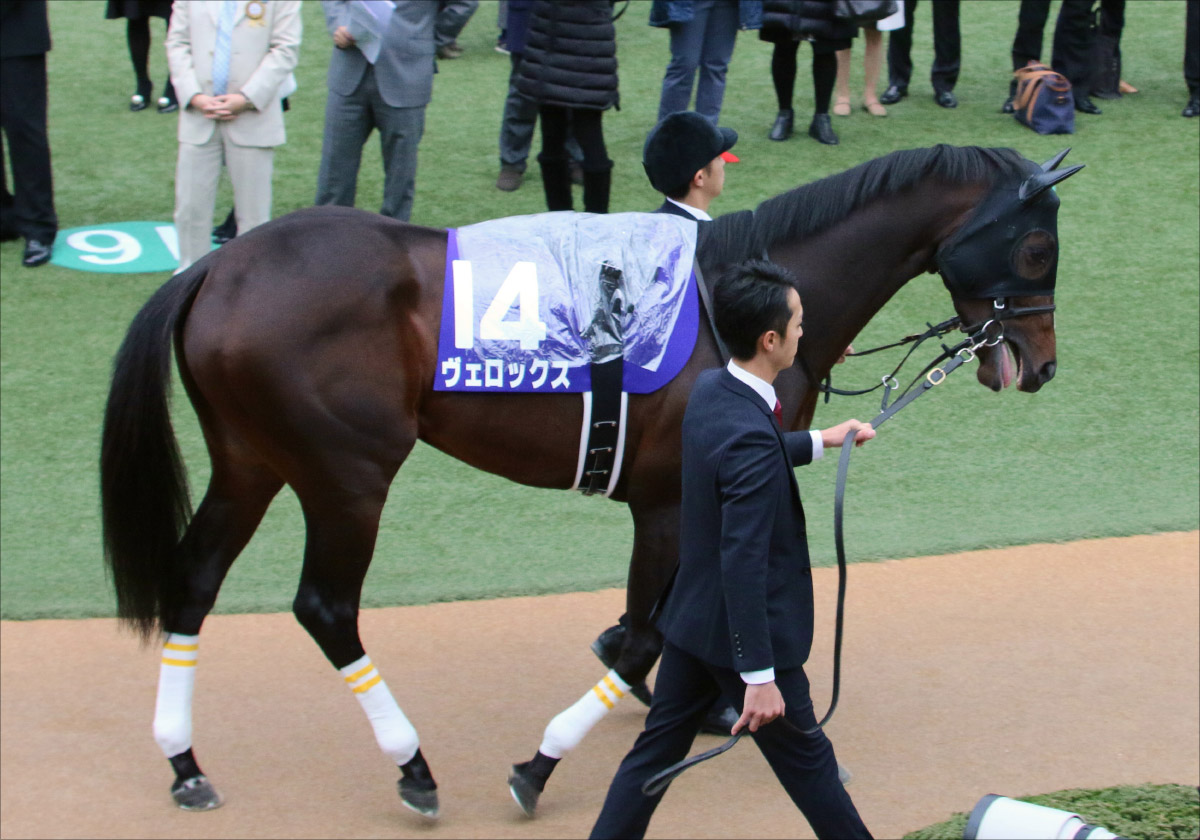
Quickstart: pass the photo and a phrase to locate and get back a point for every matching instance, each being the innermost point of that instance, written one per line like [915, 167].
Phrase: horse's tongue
[1008, 366]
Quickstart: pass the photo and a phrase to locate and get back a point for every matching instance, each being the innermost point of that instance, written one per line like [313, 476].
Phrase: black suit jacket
[24, 28]
[742, 595]
[675, 210]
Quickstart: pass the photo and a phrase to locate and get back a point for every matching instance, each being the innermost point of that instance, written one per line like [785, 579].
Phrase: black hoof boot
[527, 780]
[192, 791]
[720, 719]
[418, 790]
[607, 648]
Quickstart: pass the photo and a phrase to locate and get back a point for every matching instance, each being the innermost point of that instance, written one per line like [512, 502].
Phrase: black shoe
[36, 253]
[225, 231]
[167, 105]
[893, 94]
[1007, 107]
[721, 718]
[1192, 109]
[137, 102]
[782, 129]
[1086, 106]
[946, 99]
[821, 130]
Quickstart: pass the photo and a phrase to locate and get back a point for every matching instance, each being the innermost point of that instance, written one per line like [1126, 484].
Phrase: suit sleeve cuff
[766, 675]
[818, 445]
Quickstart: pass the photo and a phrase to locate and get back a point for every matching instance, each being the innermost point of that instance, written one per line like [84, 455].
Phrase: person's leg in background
[137, 34]
[556, 173]
[824, 74]
[1073, 34]
[947, 52]
[686, 42]
[783, 77]
[1191, 58]
[872, 64]
[516, 131]
[587, 127]
[899, 57]
[841, 105]
[720, 35]
[1027, 42]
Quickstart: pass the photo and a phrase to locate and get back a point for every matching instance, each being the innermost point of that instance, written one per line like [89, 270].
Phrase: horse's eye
[1034, 254]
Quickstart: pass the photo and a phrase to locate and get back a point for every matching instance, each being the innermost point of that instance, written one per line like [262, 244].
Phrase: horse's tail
[144, 496]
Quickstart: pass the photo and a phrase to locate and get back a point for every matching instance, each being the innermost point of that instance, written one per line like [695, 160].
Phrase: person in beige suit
[231, 63]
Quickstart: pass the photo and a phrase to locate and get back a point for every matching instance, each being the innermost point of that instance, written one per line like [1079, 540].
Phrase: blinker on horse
[312, 366]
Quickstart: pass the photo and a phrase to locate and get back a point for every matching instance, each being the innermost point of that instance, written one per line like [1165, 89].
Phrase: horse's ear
[1039, 182]
[1053, 163]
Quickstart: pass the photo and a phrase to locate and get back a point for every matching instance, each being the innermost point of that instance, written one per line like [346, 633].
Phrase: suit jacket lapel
[743, 390]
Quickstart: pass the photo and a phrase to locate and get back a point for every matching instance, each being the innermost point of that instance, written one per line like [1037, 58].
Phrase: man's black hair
[749, 299]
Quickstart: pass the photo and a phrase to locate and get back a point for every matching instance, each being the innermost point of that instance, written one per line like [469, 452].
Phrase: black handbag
[859, 12]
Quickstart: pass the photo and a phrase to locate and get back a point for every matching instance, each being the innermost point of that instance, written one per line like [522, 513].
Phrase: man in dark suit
[947, 54]
[29, 210]
[737, 618]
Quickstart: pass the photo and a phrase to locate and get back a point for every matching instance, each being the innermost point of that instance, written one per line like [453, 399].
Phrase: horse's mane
[811, 208]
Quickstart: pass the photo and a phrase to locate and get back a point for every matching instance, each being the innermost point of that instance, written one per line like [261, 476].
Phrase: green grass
[1161, 812]
[1109, 448]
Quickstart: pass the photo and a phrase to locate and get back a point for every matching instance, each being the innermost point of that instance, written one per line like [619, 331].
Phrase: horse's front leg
[655, 554]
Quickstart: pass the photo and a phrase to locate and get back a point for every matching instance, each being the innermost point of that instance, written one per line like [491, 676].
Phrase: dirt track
[1012, 671]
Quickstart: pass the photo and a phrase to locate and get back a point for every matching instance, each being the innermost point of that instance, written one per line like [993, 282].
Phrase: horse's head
[1000, 268]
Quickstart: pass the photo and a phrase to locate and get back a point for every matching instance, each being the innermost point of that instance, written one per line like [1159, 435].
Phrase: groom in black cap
[684, 158]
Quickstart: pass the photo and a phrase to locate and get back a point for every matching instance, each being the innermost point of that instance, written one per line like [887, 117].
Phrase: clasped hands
[222, 108]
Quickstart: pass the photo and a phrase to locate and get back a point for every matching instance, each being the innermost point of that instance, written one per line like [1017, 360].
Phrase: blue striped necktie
[222, 51]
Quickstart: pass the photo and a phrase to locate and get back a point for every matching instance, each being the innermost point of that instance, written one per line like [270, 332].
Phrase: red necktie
[778, 413]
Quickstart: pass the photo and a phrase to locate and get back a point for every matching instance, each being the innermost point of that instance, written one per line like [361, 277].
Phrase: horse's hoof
[417, 797]
[196, 794]
[524, 791]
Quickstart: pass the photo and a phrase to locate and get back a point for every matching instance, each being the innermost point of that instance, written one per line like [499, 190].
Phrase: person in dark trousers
[785, 24]
[947, 54]
[28, 210]
[703, 33]
[137, 14]
[737, 617]
[570, 69]
[684, 157]
[1191, 59]
[1072, 51]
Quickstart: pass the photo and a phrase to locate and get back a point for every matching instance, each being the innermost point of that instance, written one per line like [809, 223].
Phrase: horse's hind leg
[236, 500]
[341, 531]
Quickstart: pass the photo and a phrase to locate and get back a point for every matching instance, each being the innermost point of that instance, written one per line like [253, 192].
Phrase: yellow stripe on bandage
[603, 697]
[359, 689]
[181, 648]
[185, 663]
[360, 673]
[608, 681]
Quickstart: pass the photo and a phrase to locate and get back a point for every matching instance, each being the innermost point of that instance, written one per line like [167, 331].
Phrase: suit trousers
[947, 47]
[1073, 36]
[683, 692]
[196, 178]
[348, 123]
[29, 209]
[704, 43]
[1191, 47]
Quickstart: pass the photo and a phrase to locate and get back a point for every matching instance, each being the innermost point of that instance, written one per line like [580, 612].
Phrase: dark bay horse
[308, 349]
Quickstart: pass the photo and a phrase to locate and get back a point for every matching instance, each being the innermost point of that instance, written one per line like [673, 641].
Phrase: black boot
[556, 181]
[782, 129]
[596, 188]
[821, 130]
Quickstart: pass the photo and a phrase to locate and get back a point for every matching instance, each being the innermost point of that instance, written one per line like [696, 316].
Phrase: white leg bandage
[395, 735]
[569, 727]
[173, 709]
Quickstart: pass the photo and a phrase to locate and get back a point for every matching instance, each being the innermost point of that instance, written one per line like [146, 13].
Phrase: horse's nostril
[1048, 370]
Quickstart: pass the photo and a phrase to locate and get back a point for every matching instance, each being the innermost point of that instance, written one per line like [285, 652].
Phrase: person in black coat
[29, 209]
[1071, 53]
[947, 54]
[737, 617]
[785, 24]
[570, 69]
